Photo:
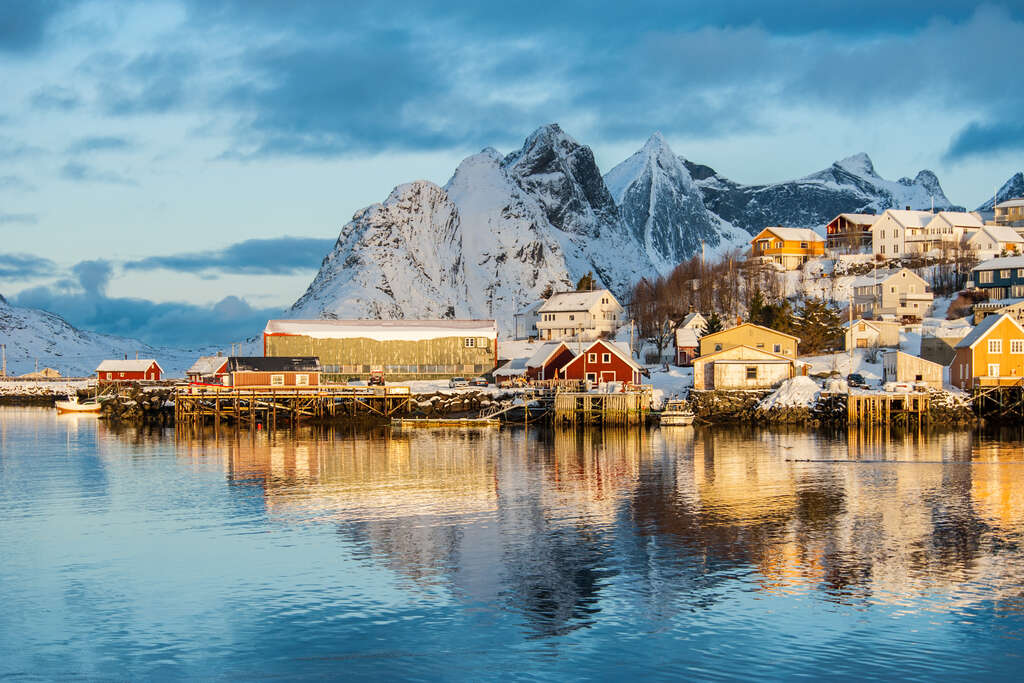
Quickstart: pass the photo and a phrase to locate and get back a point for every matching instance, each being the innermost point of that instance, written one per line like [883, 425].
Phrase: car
[354, 381]
[855, 379]
[458, 382]
[376, 377]
[479, 382]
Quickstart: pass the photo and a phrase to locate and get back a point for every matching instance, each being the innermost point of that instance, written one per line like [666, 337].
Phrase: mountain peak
[1011, 189]
[656, 143]
[858, 164]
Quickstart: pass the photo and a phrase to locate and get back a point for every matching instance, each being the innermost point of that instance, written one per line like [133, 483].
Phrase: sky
[176, 171]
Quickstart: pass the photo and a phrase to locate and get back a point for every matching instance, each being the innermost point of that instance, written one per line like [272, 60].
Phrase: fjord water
[434, 554]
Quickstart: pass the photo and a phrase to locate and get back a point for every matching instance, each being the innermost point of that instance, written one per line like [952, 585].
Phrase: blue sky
[188, 163]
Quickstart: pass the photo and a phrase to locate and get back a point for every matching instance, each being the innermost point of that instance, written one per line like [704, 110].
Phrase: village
[796, 320]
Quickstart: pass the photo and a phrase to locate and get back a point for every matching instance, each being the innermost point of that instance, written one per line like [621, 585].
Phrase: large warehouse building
[401, 349]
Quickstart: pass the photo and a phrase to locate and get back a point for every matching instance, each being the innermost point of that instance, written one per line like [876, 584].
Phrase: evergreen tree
[586, 283]
[819, 327]
[755, 308]
[714, 324]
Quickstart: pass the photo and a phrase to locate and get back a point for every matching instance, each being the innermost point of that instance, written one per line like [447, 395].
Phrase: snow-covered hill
[1012, 188]
[849, 185]
[32, 335]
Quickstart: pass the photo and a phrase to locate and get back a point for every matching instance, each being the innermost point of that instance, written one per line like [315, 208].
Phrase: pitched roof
[574, 301]
[611, 346]
[513, 368]
[732, 349]
[404, 330]
[879, 277]
[910, 218]
[910, 355]
[274, 364]
[983, 328]
[691, 318]
[960, 219]
[760, 327]
[686, 337]
[134, 365]
[532, 309]
[1001, 262]
[207, 365]
[543, 353]
[859, 218]
[795, 234]
[1002, 233]
[1011, 202]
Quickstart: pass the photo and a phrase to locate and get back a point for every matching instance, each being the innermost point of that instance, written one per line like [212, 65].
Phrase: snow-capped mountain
[663, 207]
[849, 185]
[32, 335]
[488, 243]
[1012, 188]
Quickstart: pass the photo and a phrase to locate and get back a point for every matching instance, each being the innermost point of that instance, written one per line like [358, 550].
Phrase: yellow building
[991, 355]
[788, 248]
[754, 336]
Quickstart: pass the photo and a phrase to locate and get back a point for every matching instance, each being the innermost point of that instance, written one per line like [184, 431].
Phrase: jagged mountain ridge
[848, 185]
[1011, 189]
[503, 229]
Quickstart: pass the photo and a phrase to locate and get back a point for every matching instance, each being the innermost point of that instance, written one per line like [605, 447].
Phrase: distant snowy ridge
[32, 335]
[1012, 188]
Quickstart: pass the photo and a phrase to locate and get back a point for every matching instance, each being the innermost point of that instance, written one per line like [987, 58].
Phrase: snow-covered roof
[859, 218]
[404, 330]
[1002, 233]
[796, 234]
[910, 218]
[139, 365]
[543, 352]
[879, 277]
[573, 301]
[1000, 263]
[686, 337]
[960, 219]
[513, 368]
[618, 348]
[1011, 202]
[982, 328]
[207, 365]
[693, 319]
[532, 309]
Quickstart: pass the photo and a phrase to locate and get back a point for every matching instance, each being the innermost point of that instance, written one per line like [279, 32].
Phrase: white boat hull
[76, 407]
[676, 419]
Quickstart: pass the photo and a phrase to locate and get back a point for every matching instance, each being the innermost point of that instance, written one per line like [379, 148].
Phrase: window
[995, 345]
[277, 380]
[591, 357]
[1003, 274]
[301, 380]
[760, 345]
[481, 342]
[777, 348]
[572, 317]
[591, 376]
[985, 277]
[1017, 346]
[803, 245]
[751, 372]
[883, 249]
[470, 342]
[718, 347]
[606, 358]
[1020, 272]
[993, 369]
[1017, 291]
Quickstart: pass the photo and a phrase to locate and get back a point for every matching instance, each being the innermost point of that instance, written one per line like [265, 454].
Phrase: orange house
[787, 248]
[991, 355]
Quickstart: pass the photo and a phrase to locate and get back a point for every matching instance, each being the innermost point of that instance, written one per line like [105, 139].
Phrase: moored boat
[676, 414]
[72, 405]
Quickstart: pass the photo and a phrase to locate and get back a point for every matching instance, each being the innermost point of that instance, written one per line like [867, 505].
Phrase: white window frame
[606, 358]
[469, 342]
[993, 369]
[591, 357]
[1017, 346]
[302, 380]
[995, 345]
[277, 380]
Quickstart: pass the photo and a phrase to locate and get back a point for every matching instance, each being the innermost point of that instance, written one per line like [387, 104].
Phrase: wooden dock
[573, 408]
[269, 407]
[890, 408]
[470, 422]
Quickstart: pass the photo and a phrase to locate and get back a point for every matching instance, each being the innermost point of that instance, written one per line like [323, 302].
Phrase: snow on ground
[840, 362]
[798, 391]
[43, 387]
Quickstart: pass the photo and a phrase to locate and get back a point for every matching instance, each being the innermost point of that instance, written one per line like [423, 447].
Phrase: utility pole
[3, 372]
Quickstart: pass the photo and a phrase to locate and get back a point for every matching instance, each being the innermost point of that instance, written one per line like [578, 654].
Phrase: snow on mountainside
[32, 335]
[1011, 189]
[665, 210]
[849, 185]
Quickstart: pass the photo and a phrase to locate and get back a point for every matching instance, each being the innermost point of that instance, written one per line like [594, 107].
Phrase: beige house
[991, 240]
[898, 366]
[754, 336]
[579, 315]
[1012, 307]
[743, 367]
[1010, 212]
[897, 292]
[864, 334]
[894, 228]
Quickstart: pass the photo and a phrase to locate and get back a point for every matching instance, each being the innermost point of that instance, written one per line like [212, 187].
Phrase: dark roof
[274, 364]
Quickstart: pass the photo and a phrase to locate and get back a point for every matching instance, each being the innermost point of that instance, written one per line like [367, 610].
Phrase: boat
[676, 414]
[71, 405]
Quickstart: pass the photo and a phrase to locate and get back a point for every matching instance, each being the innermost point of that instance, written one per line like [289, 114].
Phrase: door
[709, 375]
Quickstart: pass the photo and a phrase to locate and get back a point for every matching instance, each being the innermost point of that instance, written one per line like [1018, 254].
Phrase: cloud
[11, 149]
[274, 256]
[18, 218]
[84, 173]
[14, 182]
[93, 276]
[25, 266]
[983, 139]
[104, 143]
[55, 98]
[23, 23]
[150, 83]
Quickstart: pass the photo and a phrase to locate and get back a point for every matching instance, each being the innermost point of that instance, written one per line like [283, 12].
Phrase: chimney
[908, 207]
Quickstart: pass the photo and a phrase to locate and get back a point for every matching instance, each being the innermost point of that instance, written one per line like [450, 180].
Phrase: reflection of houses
[991, 355]
[743, 367]
[864, 334]
[898, 366]
[754, 336]
[579, 315]
[788, 248]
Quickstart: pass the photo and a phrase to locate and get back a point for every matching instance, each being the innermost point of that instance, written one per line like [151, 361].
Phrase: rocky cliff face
[1011, 189]
[849, 185]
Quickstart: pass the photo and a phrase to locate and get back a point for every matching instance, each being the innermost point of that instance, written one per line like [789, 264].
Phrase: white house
[525, 321]
[991, 240]
[579, 315]
[946, 228]
[892, 230]
[864, 334]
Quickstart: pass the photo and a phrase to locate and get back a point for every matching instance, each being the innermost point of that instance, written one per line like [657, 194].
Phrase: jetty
[886, 408]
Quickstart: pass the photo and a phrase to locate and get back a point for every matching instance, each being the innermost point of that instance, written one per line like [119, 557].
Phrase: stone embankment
[441, 404]
[15, 392]
[140, 405]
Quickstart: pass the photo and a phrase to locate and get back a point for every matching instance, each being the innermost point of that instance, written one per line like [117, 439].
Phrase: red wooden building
[208, 370]
[129, 370]
[274, 371]
[602, 361]
[548, 360]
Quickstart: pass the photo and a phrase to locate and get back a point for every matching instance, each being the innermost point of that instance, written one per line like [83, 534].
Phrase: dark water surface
[439, 554]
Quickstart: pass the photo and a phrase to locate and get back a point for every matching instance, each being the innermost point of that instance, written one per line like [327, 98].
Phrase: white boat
[71, 405]
[676, 414]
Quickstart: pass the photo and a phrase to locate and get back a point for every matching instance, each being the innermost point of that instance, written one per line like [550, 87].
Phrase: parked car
[376, 377]
[855, 379]
[479, 382]
[356, 381]
[458, 382]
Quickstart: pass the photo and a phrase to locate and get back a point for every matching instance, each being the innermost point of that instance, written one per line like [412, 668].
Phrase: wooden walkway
[269, 406]
[895, 408]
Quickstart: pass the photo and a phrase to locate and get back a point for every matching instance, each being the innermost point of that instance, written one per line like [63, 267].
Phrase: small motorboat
[72, 405]
[676, 414]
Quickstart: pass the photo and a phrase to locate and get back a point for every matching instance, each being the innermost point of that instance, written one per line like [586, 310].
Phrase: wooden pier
[574, 408]
[270, 406]
[894, 408]
[1004, 402]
